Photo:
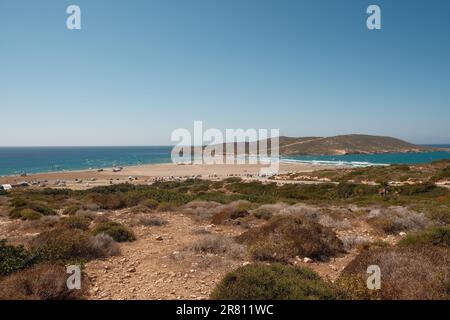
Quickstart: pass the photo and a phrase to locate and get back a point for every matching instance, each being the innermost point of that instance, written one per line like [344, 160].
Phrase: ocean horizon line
[444, 145]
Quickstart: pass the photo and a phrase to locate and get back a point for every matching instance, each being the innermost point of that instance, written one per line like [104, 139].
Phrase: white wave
[333, 162]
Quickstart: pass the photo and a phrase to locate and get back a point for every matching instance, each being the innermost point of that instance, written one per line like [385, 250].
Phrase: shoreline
[149, 173]
[322, 161]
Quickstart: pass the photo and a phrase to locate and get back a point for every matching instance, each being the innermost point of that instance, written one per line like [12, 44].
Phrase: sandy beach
[151, 172]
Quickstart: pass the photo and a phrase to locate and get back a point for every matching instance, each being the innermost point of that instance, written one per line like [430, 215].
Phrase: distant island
[344, 144]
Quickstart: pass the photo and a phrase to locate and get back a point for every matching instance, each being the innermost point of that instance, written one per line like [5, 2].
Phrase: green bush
[284, 237]
[438, 236]
[150, 203]
[428, 189]
[24, 214]
[241, 209]
[268, 251]
[75, 222]
[70, 211]
[166, 206]
[62, 244]
[348, 190]
[352, 287]
[38, 206]
[13, 258]
[42, 208]
[442, 174]
[115, 230]
[272, 282]
[299, 192]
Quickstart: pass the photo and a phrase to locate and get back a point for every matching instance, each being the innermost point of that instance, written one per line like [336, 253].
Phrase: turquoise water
[49, 159]
[372, 159]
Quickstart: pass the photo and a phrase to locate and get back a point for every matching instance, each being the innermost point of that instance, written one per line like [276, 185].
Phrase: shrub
[272, 282]
[41, 282]
[45, 222]
[241, 207]
[150, 203]
[24, 214]
[439, 213]
[222, 214]
[109, 201]
[88, 214]
[262, 213]
[152, 221]
[232, 211]
[348, 190]
[422, 189]
[407, 272]
[439, 236]
[351, 287]
[101, 219]
[63, 244]
[17, 202]
[351, 241]
[384, 224]
[395, 219]
[268, 251]
[114, 229]
[13, 258]
[75, 222]
[377, 244]
[323, 191]
[218, 245]
[41, 207]
[166, 206]
[442, 174]
[285, 237]
[70, 211]
[105, 245]
[200, 210]
[20, 204]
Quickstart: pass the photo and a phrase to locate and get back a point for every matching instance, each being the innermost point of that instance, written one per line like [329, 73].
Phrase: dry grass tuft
[218, 245]
[411, 272]
[41, 282]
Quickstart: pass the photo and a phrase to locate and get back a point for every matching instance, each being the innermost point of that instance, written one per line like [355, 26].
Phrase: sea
[19, 160]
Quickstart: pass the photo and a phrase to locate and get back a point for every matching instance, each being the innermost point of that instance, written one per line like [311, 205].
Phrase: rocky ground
[161, 263]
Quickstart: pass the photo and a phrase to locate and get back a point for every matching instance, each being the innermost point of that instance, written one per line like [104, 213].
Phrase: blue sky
[139, 69]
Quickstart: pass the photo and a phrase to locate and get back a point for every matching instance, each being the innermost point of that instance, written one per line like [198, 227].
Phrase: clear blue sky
[139, 69]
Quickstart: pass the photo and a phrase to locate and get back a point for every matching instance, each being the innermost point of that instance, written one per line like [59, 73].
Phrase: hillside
[345, 144]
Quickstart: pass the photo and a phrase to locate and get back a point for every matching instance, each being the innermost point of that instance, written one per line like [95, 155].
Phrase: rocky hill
[344, 144]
